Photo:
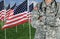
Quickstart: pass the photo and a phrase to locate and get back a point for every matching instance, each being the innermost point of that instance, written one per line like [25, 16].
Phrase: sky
[12, 2]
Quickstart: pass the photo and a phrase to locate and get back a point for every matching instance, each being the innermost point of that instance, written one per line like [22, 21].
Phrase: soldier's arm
[36, 20]
[58, 16]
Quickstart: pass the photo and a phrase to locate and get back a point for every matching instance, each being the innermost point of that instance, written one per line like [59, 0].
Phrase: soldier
[44, 19]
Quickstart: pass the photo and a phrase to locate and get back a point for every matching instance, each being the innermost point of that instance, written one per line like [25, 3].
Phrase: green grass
[22, 32]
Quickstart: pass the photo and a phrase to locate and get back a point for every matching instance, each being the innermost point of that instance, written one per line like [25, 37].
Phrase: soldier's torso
[50, 13]
[50, 17]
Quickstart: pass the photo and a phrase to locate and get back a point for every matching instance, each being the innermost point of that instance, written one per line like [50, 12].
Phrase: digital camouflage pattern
[44, 20]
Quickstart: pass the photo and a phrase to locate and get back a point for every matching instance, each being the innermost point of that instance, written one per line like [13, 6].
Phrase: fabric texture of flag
[16, 20]
[1, 5]
[2, 10]
[10, 11]
[19, 17]
[2, 14]
[21, 8]
[31, 7]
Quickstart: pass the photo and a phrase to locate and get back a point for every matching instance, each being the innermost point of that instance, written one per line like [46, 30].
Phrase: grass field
[22, 32]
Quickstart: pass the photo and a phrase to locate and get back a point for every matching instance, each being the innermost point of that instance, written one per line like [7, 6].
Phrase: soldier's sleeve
[34, 19]
[58, 16]
[35, 22]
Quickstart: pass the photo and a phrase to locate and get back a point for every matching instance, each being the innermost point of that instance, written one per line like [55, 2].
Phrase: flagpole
[16, 26]
[4, 22]
[23, 25]
[5, 33]
[5, 17]
[29, 22]
[16, 29]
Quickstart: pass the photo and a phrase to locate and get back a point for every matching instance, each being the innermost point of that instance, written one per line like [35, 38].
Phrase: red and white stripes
[9, 13]
[16, 20]
[2, 14]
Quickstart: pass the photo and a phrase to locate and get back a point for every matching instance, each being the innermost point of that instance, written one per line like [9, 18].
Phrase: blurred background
[22, 29]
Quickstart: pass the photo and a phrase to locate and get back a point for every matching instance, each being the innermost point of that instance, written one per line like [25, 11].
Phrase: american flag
[1, 5]
[31, 7]
[2, 15]
[19, 17]
[21, 8]
[2, 10]
[10, 11]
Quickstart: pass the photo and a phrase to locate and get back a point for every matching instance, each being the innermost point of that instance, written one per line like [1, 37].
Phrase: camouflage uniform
[46, 27]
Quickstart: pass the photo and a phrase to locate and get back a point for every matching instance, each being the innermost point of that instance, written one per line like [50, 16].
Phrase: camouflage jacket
[49, 14]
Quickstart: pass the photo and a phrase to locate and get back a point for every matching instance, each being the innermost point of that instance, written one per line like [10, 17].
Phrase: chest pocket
[51, 19]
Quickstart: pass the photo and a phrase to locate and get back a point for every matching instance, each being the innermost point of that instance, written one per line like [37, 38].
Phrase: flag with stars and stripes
[10, 11]
[19, 17]
[21, 8]
[31, 7]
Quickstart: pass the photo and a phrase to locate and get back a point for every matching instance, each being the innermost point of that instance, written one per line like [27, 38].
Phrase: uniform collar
[44, 4]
